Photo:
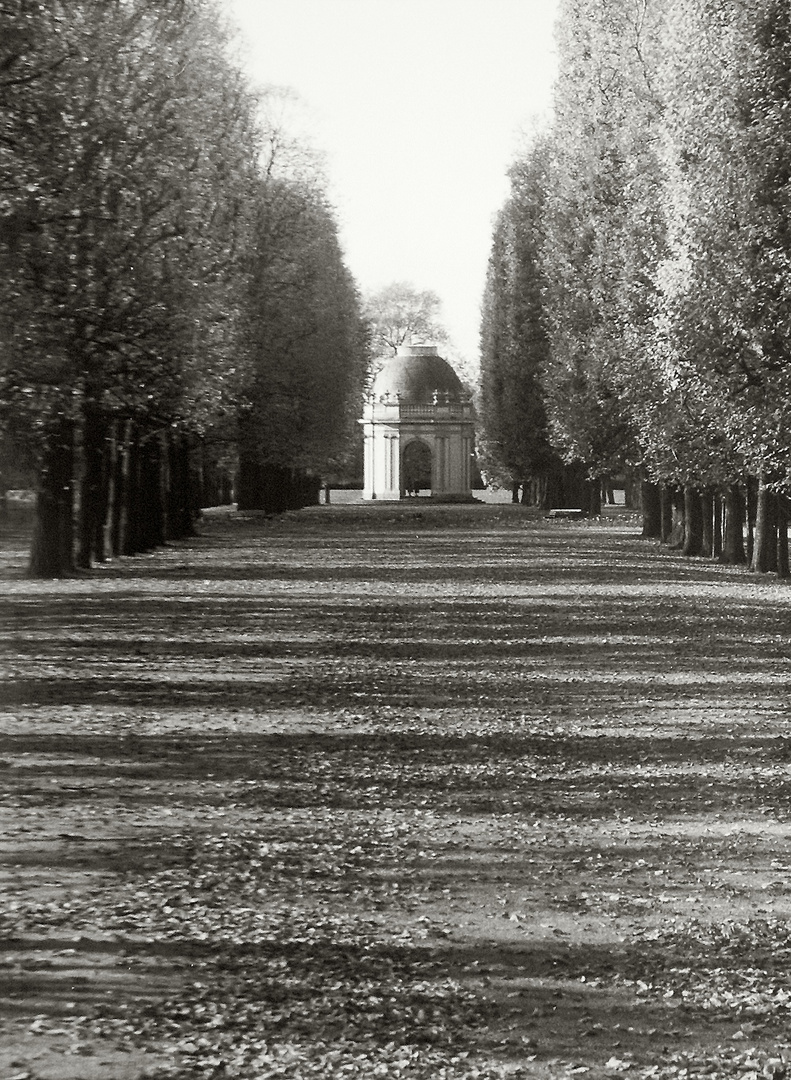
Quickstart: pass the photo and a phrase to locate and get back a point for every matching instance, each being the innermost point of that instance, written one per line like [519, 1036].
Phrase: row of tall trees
[173, 294]
[638, 296]
[309, 345]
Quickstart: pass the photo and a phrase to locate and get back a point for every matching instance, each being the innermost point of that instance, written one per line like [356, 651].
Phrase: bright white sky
[419, 107]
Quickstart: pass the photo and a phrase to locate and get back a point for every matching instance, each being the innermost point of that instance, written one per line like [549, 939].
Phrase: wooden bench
[566, 513]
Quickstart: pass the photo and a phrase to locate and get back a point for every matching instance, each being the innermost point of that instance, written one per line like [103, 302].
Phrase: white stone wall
[382, 462]
[389, 429]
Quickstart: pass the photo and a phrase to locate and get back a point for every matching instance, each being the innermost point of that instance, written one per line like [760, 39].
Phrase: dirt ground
[395, 791]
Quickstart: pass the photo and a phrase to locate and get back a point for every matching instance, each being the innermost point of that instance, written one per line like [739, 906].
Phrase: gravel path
[396, 791]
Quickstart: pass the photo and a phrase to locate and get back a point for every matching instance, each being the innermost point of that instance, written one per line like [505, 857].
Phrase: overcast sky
[419, 107]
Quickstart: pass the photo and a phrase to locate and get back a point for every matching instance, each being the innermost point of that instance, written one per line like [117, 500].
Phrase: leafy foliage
[514, 340]
[307, 341]
[135, 173]
[724, 290]
[399, 312]
[663, 256]
[602, 228]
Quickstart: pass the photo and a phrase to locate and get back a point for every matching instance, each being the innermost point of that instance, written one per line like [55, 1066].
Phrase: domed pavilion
[418, 424]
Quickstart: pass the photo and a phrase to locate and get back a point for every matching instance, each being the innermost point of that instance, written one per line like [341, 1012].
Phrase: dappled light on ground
[376, 792]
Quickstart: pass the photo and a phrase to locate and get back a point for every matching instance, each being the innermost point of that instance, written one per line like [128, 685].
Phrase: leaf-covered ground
[407, 791]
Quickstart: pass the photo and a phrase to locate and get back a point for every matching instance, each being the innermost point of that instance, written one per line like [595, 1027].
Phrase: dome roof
[415, 374]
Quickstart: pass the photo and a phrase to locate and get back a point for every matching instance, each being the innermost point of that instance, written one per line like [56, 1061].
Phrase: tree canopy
[400, 312]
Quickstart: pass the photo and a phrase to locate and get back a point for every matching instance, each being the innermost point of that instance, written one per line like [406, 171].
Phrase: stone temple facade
[419, 433]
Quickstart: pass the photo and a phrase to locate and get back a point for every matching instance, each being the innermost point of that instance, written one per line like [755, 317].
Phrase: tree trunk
[133, 540]
[707, 523]
[544, 499]
[105, 545]
[693, 522]
[180, 515]
[514, 493]
[733, 540]
[92, 504]
[592, 504]
[678, 529]
[163, 468]
[52, 546]
[151, 510]
[632, 481]
[196, 458]
[782, 505]
[716, 550]
[651, 504]
[122, 515]
[555, 490]
[250, 484]
[752, 510]
[765, 544]
[666, 512]
[194, 485]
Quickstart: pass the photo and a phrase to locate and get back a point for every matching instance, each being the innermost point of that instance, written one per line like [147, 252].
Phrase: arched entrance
[416, 468]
